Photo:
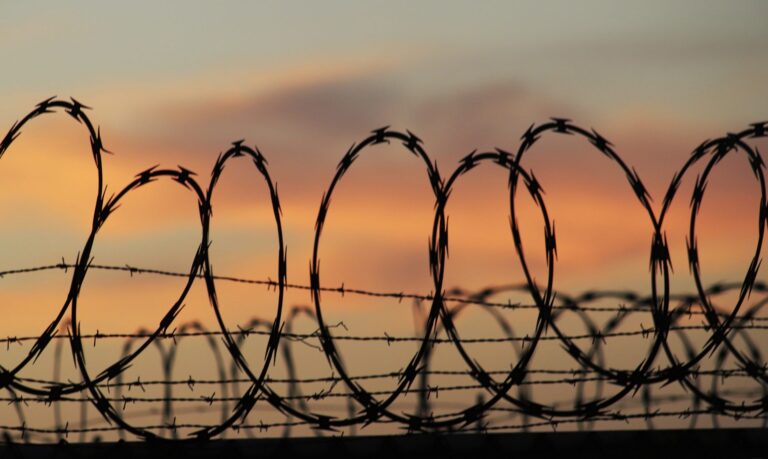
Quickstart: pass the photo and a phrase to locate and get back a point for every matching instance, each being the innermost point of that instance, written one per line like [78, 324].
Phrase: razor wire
[438, 319]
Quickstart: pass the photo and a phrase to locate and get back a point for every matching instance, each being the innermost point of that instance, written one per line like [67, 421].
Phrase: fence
[502, 394]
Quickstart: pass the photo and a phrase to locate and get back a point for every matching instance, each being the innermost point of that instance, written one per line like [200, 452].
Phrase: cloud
[304, 125]
[295, 114]
[318, 119]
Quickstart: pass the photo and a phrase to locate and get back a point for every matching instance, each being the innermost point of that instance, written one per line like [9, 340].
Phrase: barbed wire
[266, 426]
[574, 377]
[365, 407]
[644, 302]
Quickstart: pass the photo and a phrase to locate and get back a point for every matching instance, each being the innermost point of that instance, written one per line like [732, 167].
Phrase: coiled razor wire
[665, 310]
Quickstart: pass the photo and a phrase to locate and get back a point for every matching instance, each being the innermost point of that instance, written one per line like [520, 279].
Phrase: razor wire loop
[756, 356]
[266, 391]
[234, 369]
[285, 405]
[719, 149]
[75, 110]
[497, 390]
[569, 304]
[168, 360]
[251, 395]
[373, 409]
[723, 326]
[454, 313]
[101, 401]
[754, 370]
[659, 262]
[200, 263]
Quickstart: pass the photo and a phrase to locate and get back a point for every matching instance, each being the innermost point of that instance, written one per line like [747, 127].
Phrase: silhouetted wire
[665, 309]
[631, 296]
[266, 426]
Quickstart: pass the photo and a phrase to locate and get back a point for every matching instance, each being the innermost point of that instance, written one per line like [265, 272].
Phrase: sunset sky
[175, 83]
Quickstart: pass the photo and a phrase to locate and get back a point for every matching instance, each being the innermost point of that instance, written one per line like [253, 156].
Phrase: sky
[174, 83]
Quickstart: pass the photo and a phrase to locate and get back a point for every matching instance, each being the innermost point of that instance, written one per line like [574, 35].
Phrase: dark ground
[722, 443]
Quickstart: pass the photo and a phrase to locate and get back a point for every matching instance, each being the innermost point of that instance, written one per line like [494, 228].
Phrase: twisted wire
[664, 308]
